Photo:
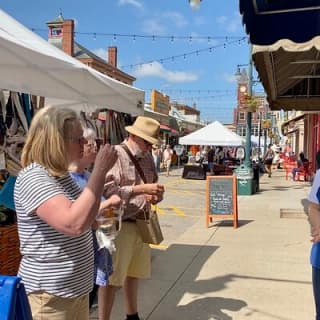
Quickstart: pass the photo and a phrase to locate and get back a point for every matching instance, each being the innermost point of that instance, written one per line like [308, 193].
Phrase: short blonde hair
[46, 140]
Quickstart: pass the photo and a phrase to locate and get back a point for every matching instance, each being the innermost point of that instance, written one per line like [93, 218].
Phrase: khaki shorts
[132, 256]
[47, 306]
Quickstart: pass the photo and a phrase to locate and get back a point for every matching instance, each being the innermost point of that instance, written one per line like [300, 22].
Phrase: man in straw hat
[132, 259]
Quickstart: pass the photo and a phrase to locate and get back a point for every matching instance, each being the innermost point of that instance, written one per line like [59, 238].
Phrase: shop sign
[178, 149]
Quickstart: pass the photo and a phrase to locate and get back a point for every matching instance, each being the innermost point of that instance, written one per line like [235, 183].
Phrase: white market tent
[214, 134]
[255, 140]
[29, 64]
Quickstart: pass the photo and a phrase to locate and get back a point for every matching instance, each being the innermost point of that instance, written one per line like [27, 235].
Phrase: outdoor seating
[305, 172]
[288, 166]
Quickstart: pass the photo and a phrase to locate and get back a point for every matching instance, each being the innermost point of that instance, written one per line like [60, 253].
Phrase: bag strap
[135, 162]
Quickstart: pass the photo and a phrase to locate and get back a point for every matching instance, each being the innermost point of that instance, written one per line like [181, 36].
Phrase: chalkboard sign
[222, 199]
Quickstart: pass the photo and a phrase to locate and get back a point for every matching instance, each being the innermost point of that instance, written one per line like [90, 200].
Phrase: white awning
[29, 64]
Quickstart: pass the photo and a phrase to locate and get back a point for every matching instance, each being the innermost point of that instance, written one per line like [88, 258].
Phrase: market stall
[33, 74]
[214, 134]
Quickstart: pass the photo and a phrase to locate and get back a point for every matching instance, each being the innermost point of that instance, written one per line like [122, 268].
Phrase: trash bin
[244, 176]
[256, 176]
[13, 299]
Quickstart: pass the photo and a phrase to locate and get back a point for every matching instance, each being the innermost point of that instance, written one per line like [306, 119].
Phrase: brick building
[240, 112]
[61, 35]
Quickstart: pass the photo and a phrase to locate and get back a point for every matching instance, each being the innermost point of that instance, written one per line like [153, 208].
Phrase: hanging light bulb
[195, 4]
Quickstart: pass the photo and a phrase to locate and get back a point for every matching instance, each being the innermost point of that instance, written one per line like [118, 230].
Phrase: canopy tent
[255, 141]
[269, 21]
[290, 74]
[29, 64]
[214, 134]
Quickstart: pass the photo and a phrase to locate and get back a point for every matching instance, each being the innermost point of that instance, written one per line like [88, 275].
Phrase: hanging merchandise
[113, 129]
[27, 107]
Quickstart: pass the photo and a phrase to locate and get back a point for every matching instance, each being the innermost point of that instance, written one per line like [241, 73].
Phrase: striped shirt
[51, 261]
[125, 176]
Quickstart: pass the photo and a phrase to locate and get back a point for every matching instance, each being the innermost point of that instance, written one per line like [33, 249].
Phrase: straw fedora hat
[146, 128]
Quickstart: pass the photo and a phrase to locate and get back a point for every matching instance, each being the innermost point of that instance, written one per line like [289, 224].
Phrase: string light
[199, 91]
[146, 36]
[195, 4]
[184, 55]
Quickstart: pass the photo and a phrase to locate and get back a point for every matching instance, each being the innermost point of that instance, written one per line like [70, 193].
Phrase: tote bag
[149, 227]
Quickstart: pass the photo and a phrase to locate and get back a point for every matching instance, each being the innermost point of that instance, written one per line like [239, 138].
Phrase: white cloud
[199, 21]
[134, 3]
[229, 77]
[76, 22]
[177, 18]
[230, 24]
[151, 26]
[100, 52]
[156, 69]
[159, 24]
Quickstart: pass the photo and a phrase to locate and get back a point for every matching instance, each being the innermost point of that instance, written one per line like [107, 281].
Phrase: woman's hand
[153, 189]
[106, 158]
[113, 201]
[315, 234]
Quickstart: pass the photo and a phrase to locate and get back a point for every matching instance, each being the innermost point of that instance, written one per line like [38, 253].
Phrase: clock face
[243, 88]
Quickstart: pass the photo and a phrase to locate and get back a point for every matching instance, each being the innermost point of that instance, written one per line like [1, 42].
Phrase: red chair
[305, 172]
[288, 166]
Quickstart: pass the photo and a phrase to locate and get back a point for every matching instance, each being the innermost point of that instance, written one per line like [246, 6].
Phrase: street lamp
[238, 75]
[195, 4]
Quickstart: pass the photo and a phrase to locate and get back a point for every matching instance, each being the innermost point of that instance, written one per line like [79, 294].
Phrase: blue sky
[205, 77]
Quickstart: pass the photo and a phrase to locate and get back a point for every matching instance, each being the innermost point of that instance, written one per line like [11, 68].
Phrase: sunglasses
[146, 143]
[80, 140]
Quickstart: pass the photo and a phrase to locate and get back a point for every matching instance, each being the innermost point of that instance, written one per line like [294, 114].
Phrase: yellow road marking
[160, 211]
[158, 246]
[178, 211]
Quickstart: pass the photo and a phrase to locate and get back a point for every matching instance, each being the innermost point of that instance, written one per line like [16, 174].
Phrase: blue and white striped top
[51, 261]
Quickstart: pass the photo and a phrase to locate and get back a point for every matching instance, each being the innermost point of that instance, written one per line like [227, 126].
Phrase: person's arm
[314, 220]
[314, 209]
[75, 217]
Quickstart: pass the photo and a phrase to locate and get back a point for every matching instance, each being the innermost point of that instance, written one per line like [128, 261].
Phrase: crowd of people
[58, 197]
[66, 184]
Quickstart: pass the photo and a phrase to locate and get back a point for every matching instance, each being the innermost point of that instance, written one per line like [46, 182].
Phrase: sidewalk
[259, 271]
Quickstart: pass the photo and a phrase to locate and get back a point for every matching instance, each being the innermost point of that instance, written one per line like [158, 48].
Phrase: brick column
[113, 56]
[67, 40]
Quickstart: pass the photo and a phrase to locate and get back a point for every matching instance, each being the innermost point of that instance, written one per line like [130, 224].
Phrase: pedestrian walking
[268, 159]
[156, 154]
[167, 158]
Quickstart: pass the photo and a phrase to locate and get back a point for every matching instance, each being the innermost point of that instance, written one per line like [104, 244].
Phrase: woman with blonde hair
[55, 217]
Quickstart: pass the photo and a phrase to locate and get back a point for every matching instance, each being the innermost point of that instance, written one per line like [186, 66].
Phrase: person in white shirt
[167, 157]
